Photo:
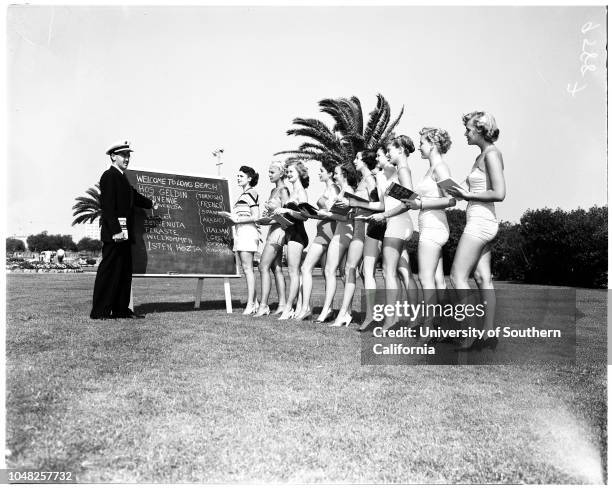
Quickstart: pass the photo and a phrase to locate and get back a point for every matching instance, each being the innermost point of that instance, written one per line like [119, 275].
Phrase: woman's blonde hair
[301, 170]
[437, 137]
[279, 165]
[484, 123]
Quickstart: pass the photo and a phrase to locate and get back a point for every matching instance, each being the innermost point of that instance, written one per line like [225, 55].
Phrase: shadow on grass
[145, 308]
[237, 306]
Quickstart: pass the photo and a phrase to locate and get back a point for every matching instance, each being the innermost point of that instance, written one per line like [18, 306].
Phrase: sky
[180, 82]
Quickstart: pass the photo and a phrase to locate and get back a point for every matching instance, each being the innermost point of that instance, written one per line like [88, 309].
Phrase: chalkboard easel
[185, 237]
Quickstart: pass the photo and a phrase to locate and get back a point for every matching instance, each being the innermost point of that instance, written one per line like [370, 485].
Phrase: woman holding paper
[399, 225]
[375, 232]
[365, 162]
[325, 232]
[431, 201]
[346, 177]
[486, 185]
[273, 249]
[246, 236]
[297, 239]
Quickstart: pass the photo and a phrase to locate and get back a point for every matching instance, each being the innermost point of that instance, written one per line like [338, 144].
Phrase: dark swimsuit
[296, 232]
[376, 230]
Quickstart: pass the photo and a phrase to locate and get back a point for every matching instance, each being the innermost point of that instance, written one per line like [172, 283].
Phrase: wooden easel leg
[198, 293]
[228, 295]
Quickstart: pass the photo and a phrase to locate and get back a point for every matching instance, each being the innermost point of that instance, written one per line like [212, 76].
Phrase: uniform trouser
[113, 281]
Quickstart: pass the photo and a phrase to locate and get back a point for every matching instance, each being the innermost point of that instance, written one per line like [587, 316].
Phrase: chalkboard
[185, 235]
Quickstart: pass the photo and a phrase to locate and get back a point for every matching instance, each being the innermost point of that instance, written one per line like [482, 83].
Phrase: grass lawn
[201, 396]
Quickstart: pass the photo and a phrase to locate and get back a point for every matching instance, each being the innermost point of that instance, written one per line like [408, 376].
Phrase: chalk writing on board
[586, 57]
[186, 235]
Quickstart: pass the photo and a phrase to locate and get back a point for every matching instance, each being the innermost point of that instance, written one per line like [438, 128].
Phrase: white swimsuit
[433, 225]
[399, 226]
[481, 219]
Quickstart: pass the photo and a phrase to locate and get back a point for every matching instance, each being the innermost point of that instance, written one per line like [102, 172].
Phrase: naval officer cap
[119, 147]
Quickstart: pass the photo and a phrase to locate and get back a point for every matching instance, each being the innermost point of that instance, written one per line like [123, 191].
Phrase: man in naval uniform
[111, 296]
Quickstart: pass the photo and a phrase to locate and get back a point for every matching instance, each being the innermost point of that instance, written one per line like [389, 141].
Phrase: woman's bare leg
[315, 252]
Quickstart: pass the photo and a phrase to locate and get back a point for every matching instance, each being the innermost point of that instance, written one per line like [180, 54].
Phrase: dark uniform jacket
[118, 199]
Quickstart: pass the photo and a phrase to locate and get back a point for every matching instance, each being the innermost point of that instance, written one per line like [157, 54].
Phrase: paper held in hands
[282, 220]
[398, 192]
[450, 183]
[340, 210]
[308, 210]
[123, 224]
[348, 195]
[265, 220]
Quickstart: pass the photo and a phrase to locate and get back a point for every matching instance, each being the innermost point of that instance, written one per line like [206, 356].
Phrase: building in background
[89, 230]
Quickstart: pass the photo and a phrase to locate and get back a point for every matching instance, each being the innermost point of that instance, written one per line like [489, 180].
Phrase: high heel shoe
[251, 308]
[367, 326]
[326, 318]
[488, 343]
[395, 326]
[279, 310]
[305, 315]
[263, 310]
[287, 315]
[343, 320]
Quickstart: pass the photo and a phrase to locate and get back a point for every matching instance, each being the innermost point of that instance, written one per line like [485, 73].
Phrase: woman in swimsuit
[433, 225]
[375, 233]
[271, 257]
[296, 236]
[365, 162]
[246, 232]
[346, 178]
[399, 227]
[325, 232]
[486, 186]
[431, 201]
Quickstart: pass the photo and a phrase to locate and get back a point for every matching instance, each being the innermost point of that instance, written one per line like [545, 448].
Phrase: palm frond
[343, 113]
[314, 147]
[373, 119]
[87, 208]
[87, 201]
[86, 218]
[314, 129]
[340, 142]
[357, 115]
[385, 117]
[312, 155]
[389, 131]
[94, 192]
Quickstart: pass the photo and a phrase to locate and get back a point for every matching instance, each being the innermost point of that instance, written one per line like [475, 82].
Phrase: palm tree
[87, 208]
[348, 135]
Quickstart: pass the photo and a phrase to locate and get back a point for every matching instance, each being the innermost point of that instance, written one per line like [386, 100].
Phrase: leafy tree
[87, 208]
[348, 135]
[566, 248]
[44, 241]
[14, 245]
[87, 244]
[508, 259]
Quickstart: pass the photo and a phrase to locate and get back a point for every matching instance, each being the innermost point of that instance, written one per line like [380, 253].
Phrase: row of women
[377, 223]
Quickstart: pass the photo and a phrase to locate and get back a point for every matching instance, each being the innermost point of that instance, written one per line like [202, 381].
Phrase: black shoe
[135, 316]
[129, 315]
[101, 317]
